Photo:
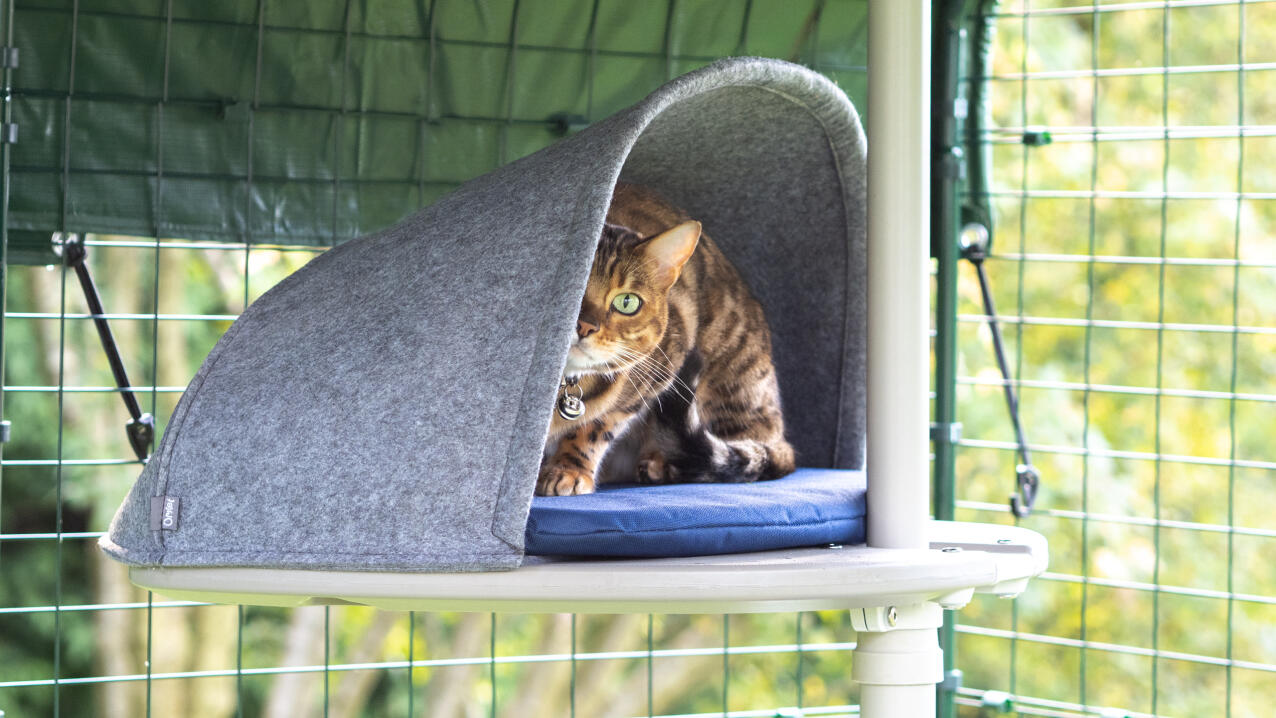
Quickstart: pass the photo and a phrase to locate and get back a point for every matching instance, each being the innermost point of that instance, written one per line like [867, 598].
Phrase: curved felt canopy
[385, 407]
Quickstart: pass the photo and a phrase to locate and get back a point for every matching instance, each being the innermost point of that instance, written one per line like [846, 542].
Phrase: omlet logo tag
[169, 520]
[165, 512]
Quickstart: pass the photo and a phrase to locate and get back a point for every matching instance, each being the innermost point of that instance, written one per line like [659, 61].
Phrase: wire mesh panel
[1135, 253]
[203, 152]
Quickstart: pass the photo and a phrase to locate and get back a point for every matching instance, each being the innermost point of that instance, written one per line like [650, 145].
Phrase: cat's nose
[584, 328]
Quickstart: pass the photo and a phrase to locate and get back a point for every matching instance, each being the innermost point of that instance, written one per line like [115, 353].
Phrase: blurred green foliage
[1140, 290]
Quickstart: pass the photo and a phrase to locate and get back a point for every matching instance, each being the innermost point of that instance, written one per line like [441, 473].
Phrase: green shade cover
[313, 123]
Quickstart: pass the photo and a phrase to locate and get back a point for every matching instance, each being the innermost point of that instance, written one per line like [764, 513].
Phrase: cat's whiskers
[657, 377]
[664, 373]
[629, 375]
[668, 367]
[672, 383]
[641, 398]
[638, 367]
[615, 363]
[657, 374]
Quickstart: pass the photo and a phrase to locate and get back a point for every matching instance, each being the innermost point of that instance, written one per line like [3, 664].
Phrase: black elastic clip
[565, 123]
[141, 426]
[1028, 480]
[141, 435]
[1037, 138]
[975, 246]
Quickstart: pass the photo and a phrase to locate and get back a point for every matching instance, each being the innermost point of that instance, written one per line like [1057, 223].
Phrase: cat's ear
[671, 249]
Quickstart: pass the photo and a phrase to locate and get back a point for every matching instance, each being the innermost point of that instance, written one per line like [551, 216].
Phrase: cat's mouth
[584, 360]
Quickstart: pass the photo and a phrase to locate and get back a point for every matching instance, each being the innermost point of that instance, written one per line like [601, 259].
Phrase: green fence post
[947, 111]
[961, 36]
[6, 120]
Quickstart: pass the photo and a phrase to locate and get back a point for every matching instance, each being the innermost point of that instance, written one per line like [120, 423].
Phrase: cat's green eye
[626, 303]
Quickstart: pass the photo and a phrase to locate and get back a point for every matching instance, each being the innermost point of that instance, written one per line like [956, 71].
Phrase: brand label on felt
[165, 511]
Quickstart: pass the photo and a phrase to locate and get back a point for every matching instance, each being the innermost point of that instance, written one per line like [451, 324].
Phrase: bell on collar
[570, 407]
[571, 404]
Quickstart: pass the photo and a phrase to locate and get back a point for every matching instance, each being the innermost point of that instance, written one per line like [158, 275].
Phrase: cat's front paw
[559, 480]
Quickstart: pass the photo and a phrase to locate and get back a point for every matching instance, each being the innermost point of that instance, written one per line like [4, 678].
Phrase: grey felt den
[385, 407]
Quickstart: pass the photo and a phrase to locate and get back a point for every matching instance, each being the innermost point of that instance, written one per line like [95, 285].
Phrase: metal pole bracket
[879, 619]
[946, 433]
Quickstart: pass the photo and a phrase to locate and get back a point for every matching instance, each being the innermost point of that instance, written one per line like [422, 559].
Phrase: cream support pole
[898, 283]
[898, 664]
[909, 662]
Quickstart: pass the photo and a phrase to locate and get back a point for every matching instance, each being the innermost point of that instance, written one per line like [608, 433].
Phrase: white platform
[980, 557]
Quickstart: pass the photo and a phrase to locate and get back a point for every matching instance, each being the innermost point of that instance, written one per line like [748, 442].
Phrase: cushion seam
[598, 532]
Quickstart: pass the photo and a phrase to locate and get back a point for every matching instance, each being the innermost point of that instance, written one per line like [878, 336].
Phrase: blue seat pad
[810, 507]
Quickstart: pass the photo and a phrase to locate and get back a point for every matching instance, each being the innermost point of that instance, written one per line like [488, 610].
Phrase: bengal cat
[672, 360]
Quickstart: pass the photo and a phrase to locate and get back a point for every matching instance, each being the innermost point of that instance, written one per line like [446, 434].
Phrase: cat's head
[625, 309]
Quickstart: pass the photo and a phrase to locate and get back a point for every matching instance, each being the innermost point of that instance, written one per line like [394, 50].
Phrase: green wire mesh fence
[1135, 255]
[205, 152]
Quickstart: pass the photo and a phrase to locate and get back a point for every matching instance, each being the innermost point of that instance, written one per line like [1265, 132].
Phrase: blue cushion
[810, 507]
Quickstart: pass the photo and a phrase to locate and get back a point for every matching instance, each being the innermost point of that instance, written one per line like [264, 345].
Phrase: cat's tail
[696, 454]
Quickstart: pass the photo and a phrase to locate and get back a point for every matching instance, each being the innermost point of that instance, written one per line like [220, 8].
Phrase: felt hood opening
[385, 407]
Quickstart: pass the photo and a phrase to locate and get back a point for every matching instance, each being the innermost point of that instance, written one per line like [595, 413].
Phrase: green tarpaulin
[313, 122]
